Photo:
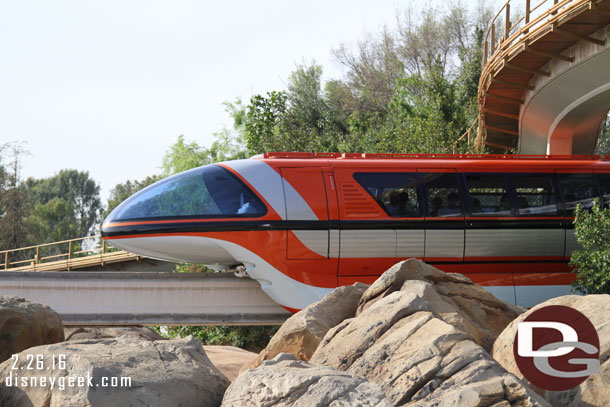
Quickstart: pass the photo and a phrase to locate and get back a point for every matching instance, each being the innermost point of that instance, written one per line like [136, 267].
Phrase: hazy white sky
[107, 86]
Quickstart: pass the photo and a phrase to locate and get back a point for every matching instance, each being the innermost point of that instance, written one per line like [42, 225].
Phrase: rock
[82, 332]
[455, 298]
[287, 381]
[229, 359]
[404, 342]
[161, 373]
[24, 324]
[302, 332]
[595, 391]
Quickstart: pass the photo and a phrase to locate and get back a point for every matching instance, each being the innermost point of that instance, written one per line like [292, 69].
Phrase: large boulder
[302, 332]
[595, 391]
[287, 381]
[146, 373]
[24, 324]
[404, 343]
[454, 297]
[75, 333]
[229, 359]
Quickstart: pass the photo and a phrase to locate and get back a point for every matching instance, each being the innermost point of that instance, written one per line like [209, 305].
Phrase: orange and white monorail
[303, 223]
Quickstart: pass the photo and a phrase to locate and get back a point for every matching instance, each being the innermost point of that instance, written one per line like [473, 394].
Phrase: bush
[592, 263]
[252, 338]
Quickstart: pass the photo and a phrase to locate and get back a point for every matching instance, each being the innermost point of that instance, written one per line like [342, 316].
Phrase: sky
[107, 86]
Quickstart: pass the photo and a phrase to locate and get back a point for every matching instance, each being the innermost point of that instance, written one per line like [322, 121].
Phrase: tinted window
[206, 191]
[395, 192]
[488, 195]
[442, 194]
[604, 186]
[578, 189]
[535, 195]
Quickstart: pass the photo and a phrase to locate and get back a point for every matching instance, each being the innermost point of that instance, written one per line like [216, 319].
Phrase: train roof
[463, 162]
[384, 156]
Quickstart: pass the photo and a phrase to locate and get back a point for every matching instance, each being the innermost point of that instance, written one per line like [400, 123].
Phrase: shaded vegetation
[592, 262]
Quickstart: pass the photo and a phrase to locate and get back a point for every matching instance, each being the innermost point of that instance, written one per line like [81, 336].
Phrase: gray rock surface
[162, 373]
[302, 332]
[417, 358]
[420, 334]
[76, 333]
[595, 391]
[24, 324]
[455, 298]
[287, 381]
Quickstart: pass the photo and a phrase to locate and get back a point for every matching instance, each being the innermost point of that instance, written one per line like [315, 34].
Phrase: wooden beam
[504, 98]
[572, 35]
[548, 54]
[599, 9]
[513, 84]
[502, 114]
[528, 70]
[494, 145]
[501, 130]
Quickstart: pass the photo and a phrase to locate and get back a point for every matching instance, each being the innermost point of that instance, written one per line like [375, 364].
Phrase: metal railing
[69, 253]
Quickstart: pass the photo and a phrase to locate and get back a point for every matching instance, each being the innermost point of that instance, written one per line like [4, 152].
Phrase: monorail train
[303, 223]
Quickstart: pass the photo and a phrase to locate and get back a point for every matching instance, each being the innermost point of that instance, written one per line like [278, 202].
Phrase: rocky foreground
[416, 337]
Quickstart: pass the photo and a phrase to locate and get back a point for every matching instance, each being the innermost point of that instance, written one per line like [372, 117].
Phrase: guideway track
[146, 298]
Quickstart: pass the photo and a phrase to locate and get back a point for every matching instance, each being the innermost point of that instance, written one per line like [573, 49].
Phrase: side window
[535, 195]
[604, 185]
[578, 189]
[395, 192]
[443, 195]
[488, 195]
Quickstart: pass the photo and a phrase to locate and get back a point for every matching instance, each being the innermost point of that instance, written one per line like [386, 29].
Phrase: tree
[592, 262]
[182, 156]
[603, 140]
[13, 199]
[70, 199]
[263, 123]
[413, 89]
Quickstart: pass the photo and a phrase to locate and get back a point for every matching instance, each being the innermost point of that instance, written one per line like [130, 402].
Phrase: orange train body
[302, 224]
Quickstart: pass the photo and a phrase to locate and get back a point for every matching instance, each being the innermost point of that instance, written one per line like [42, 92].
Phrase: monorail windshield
[209, 191]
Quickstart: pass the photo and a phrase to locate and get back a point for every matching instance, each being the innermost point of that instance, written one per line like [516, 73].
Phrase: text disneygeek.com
[27, 373]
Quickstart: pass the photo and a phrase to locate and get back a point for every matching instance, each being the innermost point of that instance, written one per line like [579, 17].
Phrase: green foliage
[413, 90]
[183, 156]
[51, 221]
[81, 204]
[592, 263]
[263, 123]
[603, 141]
[253, 338]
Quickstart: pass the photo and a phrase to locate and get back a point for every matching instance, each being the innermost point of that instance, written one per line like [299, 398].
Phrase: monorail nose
[186, 203]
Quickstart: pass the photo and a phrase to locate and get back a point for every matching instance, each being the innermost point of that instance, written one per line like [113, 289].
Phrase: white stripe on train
[281, 288]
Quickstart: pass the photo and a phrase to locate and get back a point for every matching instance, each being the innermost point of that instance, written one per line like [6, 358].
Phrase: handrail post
[37, 259]
[493, 37]
[6, 260]
[70, 250]
[507, 22]
[527, 14]
[486, 48]
[103, 246]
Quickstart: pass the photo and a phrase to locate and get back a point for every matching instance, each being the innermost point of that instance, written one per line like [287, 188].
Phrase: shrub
[592, 262]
